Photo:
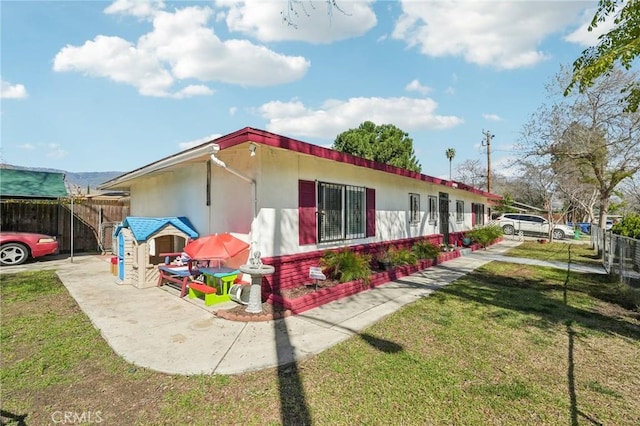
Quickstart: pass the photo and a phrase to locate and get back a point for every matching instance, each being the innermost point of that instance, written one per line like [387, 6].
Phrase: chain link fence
[620, 255]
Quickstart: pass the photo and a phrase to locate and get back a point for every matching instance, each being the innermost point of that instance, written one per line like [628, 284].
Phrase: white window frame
[479, 213]
[433, 209]
[459, 211]
[414, 208]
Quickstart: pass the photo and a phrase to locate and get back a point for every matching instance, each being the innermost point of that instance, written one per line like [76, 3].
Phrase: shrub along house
[293, 200]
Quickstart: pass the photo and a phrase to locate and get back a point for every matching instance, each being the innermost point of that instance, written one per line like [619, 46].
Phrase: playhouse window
[164, 244]
[341, 211]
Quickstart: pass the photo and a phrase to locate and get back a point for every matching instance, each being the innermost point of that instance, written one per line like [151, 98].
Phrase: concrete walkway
[155, 329]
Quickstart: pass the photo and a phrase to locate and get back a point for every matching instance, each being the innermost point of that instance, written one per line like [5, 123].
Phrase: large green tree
[618, 47]
[384, 143]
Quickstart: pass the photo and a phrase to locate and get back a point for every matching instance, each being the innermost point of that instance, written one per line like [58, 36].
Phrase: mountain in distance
[81, 181]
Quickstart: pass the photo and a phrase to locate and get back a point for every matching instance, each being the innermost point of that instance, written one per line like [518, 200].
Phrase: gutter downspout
[254, 202]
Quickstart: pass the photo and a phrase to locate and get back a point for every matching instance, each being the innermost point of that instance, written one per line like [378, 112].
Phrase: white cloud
[309, 21]
[180, 47]
[504, 35]
[193, 90]
[586, 38]
[199, 141]
[118, 60]
[54, 151]
[138, 8]
[415, 86]
[12, 91]
[50, 150]
[335, 116]
[232, 111]
[491, 117]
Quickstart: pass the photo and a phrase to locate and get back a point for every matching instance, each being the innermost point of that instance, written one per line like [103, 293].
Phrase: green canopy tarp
[31, 184]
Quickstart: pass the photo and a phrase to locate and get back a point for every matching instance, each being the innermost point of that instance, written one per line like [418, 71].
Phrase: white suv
[528, 224]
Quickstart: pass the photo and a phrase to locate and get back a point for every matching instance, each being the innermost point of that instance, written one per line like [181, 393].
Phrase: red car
[17, 247]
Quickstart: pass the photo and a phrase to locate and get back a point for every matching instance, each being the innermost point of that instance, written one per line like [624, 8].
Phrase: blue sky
[102, 86]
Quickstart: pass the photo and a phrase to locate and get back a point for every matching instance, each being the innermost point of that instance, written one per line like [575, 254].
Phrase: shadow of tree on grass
[8, 418]
[294, 409]
[538, 294]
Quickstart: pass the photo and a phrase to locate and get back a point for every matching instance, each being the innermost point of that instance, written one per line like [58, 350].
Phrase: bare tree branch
[588, 137]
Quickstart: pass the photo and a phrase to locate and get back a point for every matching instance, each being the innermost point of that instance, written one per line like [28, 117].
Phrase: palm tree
[450, 153]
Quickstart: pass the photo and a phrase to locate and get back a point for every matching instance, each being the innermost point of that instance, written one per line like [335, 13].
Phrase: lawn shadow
[7, 418]
[595, 256]
[382, 345]
[533, 295]
[293, 403]
[571, 382]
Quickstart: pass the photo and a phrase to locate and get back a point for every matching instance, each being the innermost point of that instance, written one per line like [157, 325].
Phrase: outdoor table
[217, 275]
[175, 274]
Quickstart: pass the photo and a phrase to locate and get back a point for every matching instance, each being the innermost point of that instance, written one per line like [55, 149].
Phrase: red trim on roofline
[249, 134]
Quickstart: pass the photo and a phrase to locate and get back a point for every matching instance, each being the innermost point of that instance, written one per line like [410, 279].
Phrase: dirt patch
[239, 313]
[303, 290]
[613, 310]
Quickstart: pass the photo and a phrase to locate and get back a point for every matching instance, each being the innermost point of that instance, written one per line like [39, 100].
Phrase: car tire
[13, 254]
[558, 234]
[508, 230]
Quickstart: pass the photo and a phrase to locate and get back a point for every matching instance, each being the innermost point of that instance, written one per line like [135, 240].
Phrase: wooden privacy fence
[93, 222]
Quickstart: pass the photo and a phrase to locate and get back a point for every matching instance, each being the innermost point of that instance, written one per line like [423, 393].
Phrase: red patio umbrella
[215, 246]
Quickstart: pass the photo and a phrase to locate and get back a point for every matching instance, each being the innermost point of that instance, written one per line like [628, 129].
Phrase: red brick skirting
[340, 291]
[293, 270]
[343, 290]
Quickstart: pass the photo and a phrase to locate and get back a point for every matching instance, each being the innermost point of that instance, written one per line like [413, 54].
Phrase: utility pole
[487, 142]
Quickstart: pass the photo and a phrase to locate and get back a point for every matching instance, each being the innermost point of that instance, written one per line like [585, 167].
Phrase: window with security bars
[341, 212]
[459, 211]
[414, 208]
[433, 209]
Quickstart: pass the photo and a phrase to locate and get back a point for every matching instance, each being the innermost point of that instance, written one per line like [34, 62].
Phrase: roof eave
[249, 134]
[123, 182]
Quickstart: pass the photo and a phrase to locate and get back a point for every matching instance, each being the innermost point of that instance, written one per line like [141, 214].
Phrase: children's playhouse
[142, 242]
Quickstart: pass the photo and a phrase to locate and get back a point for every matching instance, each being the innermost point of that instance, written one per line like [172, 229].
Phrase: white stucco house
[292, 200]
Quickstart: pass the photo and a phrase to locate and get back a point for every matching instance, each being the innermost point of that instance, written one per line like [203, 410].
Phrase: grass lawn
[506, 345]
[556, 251]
